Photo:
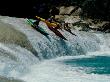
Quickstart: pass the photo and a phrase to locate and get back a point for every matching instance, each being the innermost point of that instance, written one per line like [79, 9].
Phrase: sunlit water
[36, 58]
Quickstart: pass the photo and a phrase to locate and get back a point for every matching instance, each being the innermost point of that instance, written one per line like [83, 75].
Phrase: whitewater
[28, 56]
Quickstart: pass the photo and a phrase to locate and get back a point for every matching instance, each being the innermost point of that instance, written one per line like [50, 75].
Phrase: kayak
[52, 26]
[57, 32]
[38, 28]
[47, 22]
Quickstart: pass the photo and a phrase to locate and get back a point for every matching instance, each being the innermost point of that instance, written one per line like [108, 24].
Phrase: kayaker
[53, 20]
[35, 25]
[52, 26]
[36, 22]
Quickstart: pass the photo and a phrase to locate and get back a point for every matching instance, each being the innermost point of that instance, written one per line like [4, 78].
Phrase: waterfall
[53, 46]
[21, 46]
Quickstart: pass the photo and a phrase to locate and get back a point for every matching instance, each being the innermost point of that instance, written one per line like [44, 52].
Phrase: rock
[77, 12]
[106, 27]
[72, 19]
[65, 10]
[9, 35]
[97, 9]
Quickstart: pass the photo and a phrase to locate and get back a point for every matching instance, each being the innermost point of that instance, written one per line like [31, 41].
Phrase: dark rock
[106, 27]
[97, 9]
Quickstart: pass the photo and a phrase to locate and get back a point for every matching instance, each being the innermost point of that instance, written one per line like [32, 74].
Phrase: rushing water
[28, 56]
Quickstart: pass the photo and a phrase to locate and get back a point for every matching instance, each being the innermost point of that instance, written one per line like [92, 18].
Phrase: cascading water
[28, 56]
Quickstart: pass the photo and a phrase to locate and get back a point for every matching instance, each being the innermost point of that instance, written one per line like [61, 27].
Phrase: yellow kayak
[47, 22]
[51, 27]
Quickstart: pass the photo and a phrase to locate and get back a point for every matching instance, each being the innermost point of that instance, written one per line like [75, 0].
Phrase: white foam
[52, 71]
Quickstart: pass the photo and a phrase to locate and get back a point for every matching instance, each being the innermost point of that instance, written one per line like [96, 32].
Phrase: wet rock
[65, 10]
[77, 12]
[9, 35]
